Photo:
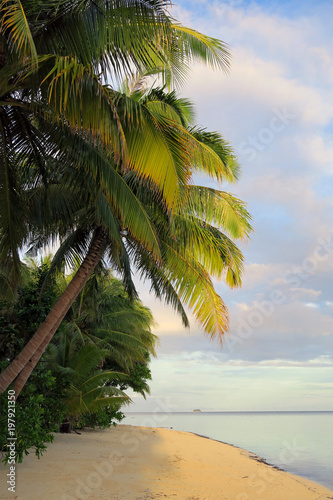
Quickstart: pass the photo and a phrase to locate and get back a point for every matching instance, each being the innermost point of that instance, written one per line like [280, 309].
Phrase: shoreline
[252, 454]
[293, 453]
[140, 463]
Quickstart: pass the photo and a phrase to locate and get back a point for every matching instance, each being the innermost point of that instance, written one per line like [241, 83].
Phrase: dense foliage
[55, 393]
[39, 413]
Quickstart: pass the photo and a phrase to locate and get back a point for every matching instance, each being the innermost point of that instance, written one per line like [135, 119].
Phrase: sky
[276, 109]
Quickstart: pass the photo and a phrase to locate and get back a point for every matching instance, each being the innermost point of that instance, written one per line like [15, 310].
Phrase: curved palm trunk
[31, 353]
[23, 376]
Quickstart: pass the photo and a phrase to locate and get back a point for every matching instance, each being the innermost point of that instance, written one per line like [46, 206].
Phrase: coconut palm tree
[89, 389]
[191, 245]
[104, 315]
[53, 89]
[55, 59]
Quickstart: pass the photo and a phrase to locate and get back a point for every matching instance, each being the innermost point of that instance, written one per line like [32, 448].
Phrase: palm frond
[195, 288]
[210, 247]
[75, 94]
[177, 108]
[213, 155]
[160, 143]
[13, 230]
[218, 208]
[196, 46]
[15, 25]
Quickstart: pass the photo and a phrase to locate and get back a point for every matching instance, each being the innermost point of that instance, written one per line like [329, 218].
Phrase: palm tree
[191, 248]
[104, 315]
[52, 84]
[89, 389]
[55, 58]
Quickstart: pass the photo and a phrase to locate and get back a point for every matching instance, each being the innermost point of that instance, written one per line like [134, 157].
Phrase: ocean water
[298, 442]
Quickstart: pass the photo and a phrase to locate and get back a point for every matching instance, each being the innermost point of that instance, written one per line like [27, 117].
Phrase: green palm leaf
[219, 208]
[195, 288]
[15, 25]
[13, 230]
[197, 46]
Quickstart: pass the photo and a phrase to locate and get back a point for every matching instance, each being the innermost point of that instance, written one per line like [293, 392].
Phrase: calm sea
[298, 442]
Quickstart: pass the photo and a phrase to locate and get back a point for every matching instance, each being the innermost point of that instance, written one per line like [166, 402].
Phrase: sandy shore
[137, 463]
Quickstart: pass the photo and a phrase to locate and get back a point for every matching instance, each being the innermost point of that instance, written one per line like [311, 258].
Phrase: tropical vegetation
[99, 157]
[102, 348]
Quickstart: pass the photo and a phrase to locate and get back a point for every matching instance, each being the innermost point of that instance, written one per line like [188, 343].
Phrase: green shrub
[39, 413]
[104, 418]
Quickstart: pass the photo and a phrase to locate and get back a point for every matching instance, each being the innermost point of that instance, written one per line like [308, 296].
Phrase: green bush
[104, 418]
[39, 413]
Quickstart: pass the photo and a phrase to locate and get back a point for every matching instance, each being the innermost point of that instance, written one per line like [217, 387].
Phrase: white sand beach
[138, 463]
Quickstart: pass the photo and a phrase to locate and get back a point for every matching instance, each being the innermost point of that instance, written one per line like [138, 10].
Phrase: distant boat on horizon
[198, 411]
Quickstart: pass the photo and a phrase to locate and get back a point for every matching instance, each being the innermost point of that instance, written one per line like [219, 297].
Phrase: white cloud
[306, 292]
[312, 305]
[320, 362]
[284, 66]
[290, 319]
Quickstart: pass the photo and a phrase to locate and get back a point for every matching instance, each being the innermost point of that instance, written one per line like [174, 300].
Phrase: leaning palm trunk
[30, 355]
[23, 376]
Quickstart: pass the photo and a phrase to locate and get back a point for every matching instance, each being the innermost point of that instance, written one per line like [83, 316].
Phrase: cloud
[276, 108]
[321, 362]
[257, 275]
[306, 292]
